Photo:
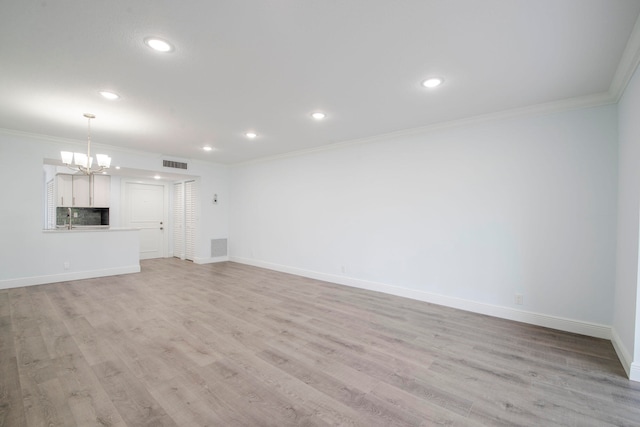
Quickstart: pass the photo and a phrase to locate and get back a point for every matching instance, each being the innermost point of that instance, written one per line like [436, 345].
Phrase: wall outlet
[66, 265]
[75, 214]
[519, 299]
[343, 269]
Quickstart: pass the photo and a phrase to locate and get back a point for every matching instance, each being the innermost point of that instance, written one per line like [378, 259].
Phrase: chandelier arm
[89, 144]
[86, 169]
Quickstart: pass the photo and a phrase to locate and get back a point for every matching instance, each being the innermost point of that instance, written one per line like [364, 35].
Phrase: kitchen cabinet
[64, 190]
[101, 191]
[81, 194]
[83, 191]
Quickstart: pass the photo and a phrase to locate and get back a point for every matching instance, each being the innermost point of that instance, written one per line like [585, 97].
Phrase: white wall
[28, 255]
[213, 222]
[467, 216]
[626, 321]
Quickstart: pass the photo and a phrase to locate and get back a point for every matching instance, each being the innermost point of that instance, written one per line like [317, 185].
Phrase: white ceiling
[266, 65]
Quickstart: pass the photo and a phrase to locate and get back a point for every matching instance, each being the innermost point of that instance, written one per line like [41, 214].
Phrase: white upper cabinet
[83, 191]
[64, 190]
[101, 191]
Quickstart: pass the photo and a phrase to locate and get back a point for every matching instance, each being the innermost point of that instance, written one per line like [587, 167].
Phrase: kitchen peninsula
[78, 239]
[86, 252]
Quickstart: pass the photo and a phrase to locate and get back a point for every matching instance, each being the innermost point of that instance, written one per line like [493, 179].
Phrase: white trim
[631, 368]
[586, 101]
[199, 260]
[621, 351]
[634, 372]
[627, 65]
[120, 148]
[611, 96]
[66, 277]
[568, 104]
[554, 322]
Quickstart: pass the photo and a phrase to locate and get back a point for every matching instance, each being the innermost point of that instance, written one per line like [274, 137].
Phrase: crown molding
[626, 68]
[60, 140]
[624, 72]
[627, 65]
[41, 137]
[569, 104]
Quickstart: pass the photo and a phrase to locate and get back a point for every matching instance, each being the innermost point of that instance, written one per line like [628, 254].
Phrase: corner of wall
[632, 369]
[634, 372]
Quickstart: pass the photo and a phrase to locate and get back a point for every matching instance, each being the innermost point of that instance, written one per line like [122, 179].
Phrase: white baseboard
[634, 372]
[554, 322]
[622, 352]
[631, 368]
[66, 277]
[210, 260]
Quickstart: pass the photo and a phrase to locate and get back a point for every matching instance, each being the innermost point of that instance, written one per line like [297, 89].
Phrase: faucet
[69, 216]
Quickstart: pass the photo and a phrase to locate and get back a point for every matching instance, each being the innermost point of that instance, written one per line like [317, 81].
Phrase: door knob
[161, 228]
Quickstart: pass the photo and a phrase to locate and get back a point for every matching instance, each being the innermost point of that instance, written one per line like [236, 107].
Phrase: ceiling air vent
[172, 164]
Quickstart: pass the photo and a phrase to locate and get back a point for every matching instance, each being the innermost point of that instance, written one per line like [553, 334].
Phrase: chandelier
[84, 162]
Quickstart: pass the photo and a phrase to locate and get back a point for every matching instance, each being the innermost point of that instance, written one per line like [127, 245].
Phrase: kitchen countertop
[89, 228]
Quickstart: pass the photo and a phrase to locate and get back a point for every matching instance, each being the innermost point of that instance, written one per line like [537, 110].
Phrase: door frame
[124, 208]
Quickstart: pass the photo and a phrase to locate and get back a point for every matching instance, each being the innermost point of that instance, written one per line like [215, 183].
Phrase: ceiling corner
[628, 63]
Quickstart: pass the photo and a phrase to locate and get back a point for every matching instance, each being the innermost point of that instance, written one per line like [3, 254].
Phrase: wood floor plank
[221, 398]
[232, 345]
[261, 401]
[132, 400]
[296, 390]
[431, 414]
[94, 349]
[11, 404]
[183, 403]
[5, 306]
[88, 401]
[348, 394]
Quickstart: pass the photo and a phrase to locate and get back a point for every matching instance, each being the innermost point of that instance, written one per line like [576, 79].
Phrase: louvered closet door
[178, 220]
[51, 206]
[191, 196]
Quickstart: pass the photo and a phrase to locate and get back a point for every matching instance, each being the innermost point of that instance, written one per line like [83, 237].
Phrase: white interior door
[178, 220]
[185, 196]
[145, 210]
[191, 195]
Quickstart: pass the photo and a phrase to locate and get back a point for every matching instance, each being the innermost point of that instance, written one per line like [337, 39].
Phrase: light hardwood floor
[225, 344]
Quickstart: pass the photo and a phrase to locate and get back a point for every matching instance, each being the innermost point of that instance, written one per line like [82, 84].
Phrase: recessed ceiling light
[318, 115]
[251, 135]
[432, 82]
[109, 95]
[117, 167]
[158, 44]
[157, 177]
[207, 148]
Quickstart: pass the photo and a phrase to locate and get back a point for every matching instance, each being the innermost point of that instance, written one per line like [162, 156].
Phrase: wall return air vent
[172, 164]
[218, 247]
